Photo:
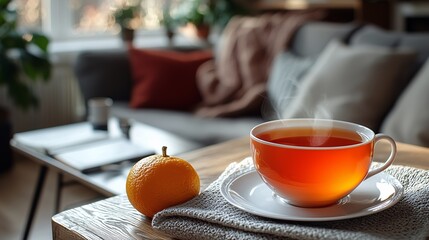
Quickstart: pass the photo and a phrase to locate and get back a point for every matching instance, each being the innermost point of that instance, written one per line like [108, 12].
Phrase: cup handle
[389, 160]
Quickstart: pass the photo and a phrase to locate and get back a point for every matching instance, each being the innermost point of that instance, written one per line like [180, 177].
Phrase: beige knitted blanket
[234, 83]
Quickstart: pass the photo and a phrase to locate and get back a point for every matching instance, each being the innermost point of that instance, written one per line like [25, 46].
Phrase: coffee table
[107, 219]
[109, 182]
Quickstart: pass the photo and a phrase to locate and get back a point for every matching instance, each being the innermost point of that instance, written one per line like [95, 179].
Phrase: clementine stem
[164, 151]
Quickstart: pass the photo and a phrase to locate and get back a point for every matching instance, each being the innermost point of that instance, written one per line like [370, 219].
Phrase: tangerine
[161, 181]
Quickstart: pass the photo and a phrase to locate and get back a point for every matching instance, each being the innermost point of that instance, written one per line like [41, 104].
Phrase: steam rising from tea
[316, 136]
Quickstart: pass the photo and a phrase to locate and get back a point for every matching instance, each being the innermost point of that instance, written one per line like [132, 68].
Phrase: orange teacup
[315, 162]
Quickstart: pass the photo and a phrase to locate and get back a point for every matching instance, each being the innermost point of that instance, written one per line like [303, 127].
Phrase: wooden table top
[115, 218]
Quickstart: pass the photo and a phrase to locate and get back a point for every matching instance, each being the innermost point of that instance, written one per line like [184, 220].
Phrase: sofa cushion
[312, 37]
[203, 131]
[357, 84]
[372, 35]
[284, 78]
[104, 74]
[409, 120]
[420, 43]
[165, 79]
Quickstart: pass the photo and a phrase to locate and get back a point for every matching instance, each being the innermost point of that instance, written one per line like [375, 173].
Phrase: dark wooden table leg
[58, 193]
[36, 198]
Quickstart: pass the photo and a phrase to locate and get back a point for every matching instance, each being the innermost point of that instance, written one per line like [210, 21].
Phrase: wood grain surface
[115, 218]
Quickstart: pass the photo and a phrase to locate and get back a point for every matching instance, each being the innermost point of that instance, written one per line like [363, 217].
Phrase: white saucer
[249, 193]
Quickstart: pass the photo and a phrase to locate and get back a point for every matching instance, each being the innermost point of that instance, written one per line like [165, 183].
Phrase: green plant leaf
[4, 4]
[22, 95]
[40, 41]
[125, 14]
[44, 68]
[8, 16]
[28, 63]
[13, 41]
[35, 67]
[210, 12]
[8, 70]
[31, 58]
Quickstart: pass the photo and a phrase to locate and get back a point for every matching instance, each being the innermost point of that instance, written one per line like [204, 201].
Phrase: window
[30, 13]
[67, 19]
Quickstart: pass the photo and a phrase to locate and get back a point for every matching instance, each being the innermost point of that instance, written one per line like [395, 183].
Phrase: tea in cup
[315, 162]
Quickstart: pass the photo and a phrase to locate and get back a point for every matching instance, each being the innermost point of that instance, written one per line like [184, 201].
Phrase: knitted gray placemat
[210, 216]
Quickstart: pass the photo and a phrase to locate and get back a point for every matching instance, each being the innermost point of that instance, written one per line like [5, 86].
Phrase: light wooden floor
[16, 192]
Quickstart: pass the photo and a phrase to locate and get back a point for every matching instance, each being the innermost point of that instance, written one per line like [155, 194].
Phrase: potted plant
[193, 16]
[126, 17]
[199, 18]
[22, 54]
[168, 22]
[223, 10]
[202, 15]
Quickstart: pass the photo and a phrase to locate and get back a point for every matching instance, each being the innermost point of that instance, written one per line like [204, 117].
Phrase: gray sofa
[108, 74]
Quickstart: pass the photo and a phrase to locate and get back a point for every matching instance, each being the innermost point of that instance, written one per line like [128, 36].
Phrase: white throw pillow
[352, 83]
[409, 120]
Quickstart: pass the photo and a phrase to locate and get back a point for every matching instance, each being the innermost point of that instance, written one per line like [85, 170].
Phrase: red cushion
[165, 79]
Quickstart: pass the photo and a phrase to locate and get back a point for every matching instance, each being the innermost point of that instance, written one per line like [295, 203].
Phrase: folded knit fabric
[210, 216]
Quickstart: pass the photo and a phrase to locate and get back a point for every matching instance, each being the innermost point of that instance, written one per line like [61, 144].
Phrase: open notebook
[50, 140]
[81, 147]
[93, 156]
